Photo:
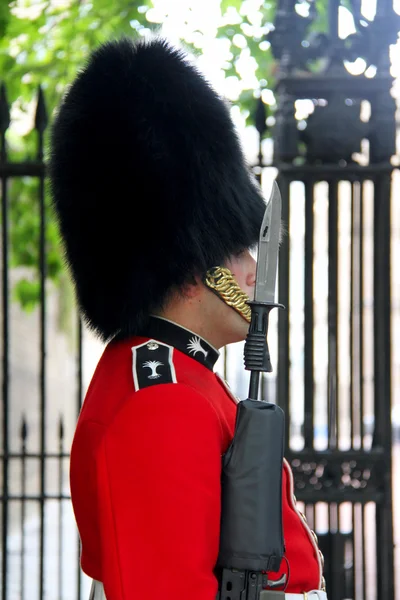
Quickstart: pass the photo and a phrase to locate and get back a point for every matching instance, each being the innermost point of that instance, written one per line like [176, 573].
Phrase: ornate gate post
[348, 136]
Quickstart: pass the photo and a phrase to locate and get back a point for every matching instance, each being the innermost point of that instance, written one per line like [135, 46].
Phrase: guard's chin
[240, 330]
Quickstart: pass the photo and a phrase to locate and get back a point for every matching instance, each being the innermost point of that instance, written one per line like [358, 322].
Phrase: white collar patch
[195, 346]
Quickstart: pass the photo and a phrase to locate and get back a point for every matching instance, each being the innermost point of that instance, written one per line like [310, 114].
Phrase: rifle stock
[251, 539]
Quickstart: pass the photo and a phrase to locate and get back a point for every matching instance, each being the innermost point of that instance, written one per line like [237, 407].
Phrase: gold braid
[221, 281]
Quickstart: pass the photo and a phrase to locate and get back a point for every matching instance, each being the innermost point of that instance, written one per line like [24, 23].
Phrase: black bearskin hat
[148, 180]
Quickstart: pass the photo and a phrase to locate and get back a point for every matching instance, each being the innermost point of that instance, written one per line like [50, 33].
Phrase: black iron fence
[34, 471]
[337, 162]
[343, 468]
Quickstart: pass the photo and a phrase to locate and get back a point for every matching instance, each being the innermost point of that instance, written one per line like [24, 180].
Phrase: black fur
[148, 180]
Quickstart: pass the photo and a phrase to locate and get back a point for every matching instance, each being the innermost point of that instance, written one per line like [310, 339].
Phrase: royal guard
[158, 212]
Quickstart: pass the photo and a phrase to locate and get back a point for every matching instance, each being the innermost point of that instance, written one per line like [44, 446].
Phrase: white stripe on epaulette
[227, 388]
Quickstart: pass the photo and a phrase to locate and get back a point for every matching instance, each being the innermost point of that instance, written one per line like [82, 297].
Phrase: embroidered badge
[195, 346]
[152, 364]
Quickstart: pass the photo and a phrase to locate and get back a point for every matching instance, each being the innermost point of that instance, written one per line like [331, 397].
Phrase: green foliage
[26, 292]
[246, 27]
[46, 42]
[25, 242]
[4, 17]
[246, 31]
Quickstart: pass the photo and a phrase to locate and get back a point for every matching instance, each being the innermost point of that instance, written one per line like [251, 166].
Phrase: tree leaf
[4, 17]
[225, 4]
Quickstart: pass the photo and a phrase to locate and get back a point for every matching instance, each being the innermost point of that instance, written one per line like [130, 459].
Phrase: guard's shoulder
[152, 364]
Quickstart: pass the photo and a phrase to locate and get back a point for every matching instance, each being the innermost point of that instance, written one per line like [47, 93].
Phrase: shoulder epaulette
[152, 364]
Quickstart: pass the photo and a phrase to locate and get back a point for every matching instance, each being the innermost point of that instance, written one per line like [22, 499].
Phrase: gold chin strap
[221, 281]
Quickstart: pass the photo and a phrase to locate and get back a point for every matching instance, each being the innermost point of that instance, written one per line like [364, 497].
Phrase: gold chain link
[221, 281]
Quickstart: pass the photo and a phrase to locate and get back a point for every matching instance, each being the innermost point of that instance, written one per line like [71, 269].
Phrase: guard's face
[243, 268]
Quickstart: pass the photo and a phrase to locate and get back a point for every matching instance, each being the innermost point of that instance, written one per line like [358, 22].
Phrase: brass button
[152, 346]
[314, 536]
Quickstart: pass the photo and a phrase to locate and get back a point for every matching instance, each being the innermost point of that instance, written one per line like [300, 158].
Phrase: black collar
[182, 339]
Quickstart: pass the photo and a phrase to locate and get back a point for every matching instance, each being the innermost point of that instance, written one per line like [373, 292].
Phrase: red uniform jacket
[146, 467]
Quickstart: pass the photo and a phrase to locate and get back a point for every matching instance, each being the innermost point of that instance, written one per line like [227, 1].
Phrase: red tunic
[146, 467]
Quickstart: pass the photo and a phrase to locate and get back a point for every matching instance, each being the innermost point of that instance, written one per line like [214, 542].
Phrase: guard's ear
[192, 287]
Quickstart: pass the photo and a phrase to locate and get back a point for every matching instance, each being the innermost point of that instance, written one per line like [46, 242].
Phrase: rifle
[251, 538]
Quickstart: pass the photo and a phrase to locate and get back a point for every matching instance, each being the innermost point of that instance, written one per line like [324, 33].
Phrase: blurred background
[314, 87]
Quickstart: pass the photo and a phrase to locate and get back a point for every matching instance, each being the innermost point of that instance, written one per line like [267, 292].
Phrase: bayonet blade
[268, 249]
